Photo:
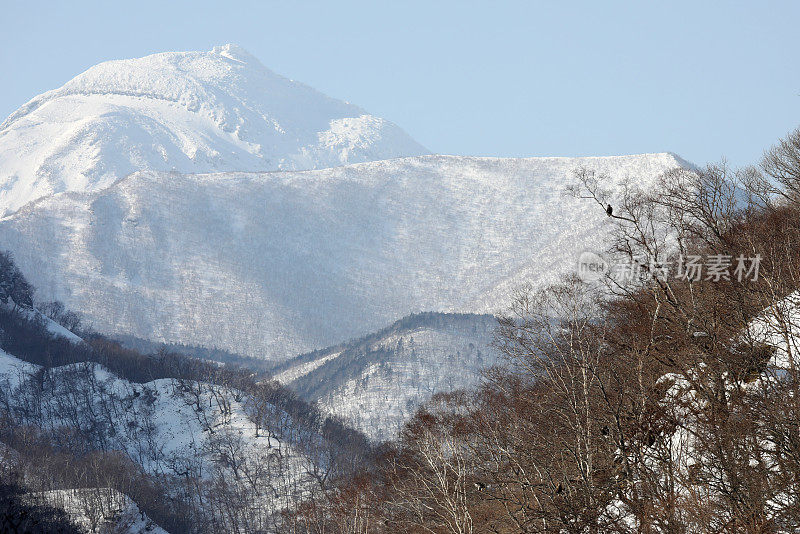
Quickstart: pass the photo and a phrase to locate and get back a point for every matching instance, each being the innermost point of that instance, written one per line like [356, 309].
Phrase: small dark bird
[610, 213]
[480, 485]
[605, 431]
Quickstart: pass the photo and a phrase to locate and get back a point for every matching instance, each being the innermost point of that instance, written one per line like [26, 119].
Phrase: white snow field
[181, 111]
[275, 264]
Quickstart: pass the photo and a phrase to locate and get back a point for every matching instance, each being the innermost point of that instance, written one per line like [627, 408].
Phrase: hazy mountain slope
[377, 382]
[184, 111]
[275, 264]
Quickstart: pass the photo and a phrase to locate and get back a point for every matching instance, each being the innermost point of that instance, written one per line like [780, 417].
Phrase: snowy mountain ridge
[276, 264]
[181, 111]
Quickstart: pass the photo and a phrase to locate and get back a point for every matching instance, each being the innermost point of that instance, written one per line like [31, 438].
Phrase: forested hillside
[107, 433]
[665, 404]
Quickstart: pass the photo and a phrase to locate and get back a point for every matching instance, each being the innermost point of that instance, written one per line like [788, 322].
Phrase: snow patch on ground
[162, 424]
[292, 374]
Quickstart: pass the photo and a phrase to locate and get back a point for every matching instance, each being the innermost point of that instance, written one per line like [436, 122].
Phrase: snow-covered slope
[163, 423]
[174, 429]
[52, 326]
[184, 111]
[376, 383]
[99, 510]
[275, 264]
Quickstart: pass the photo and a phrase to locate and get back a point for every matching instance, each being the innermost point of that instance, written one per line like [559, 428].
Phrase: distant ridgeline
[146, 346]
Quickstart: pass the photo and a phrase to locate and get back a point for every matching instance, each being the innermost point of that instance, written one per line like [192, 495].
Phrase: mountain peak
[192, 112]
[233, 51]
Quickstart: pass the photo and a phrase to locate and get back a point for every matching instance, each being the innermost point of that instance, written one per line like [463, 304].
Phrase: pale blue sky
[703, 80]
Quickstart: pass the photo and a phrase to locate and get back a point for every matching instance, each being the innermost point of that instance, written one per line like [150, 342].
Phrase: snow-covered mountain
[181, 111]
[276, 264]
[376, 383]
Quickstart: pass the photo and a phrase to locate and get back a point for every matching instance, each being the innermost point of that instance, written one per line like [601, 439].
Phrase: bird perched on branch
[610, 213]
